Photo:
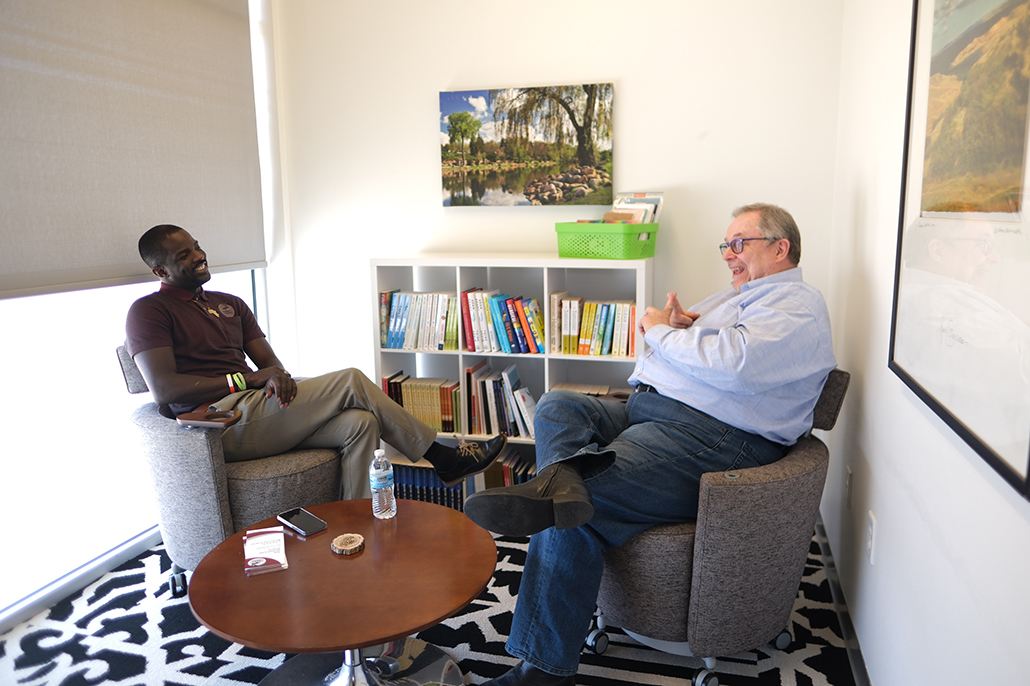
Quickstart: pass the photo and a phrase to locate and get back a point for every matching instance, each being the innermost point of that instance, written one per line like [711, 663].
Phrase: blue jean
[643, 462]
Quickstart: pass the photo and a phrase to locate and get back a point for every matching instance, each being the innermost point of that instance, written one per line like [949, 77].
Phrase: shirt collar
[182, 293]
[787, 275]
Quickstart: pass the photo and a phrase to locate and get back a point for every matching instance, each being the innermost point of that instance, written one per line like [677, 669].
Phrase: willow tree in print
[586, 109]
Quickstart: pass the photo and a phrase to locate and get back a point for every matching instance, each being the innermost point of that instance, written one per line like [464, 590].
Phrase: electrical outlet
[870, 541]
[847, 488]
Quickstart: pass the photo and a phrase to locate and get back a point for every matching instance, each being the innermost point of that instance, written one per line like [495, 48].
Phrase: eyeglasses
[737, 244]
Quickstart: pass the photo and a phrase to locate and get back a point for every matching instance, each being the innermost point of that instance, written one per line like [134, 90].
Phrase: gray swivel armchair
[727, 582]
[202, 499]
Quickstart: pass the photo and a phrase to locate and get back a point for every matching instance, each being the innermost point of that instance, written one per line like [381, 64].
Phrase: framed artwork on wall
[960, 338]
[549, 145]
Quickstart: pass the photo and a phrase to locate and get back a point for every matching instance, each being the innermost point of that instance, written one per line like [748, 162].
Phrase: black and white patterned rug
[127, 629]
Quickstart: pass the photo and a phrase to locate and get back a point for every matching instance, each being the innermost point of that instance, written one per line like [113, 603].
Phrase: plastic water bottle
[380, 478]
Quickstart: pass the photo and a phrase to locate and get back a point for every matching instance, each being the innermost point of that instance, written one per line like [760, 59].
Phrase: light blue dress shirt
[756, 360]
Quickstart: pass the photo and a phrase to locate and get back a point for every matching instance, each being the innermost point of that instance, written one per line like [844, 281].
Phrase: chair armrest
[754, 529]
[188, 471]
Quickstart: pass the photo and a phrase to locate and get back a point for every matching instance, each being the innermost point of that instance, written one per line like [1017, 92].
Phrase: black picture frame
[959, 337]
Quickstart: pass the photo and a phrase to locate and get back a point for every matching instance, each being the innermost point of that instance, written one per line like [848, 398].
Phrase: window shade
[116, 116]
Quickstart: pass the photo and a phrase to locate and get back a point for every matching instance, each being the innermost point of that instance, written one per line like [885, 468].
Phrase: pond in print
[493, 186]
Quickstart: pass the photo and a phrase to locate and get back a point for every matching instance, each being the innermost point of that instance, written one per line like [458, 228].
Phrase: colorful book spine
[466, 320]
[609, 330]
[557, 316]
[589, 310]
[535, 319]
[633, 330]
[527, 329]
[521, 344]
[597, 333]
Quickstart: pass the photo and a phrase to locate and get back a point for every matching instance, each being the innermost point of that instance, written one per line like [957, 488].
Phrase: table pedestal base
[409, 660]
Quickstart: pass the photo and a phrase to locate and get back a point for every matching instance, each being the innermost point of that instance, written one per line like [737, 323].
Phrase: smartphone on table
[302, 521]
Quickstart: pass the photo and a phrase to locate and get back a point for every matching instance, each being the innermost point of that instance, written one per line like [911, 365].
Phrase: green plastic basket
[606, 241]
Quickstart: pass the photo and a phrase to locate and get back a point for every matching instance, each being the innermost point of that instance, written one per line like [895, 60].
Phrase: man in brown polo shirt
[192, 347]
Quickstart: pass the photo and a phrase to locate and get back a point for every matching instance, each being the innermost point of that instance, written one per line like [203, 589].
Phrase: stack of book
[497, 402]
[436, 402]
[415, 482]
[591, 327]
[497, 322]
[636, 208]
[509, 470]
[418, 321]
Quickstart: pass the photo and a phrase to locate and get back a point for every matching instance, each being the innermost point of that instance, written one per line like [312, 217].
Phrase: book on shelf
[479, 401]
[515, 323]
[516, 469]
[572, 308]
[421, 482]
[632, 330]
[509, 382]
[527, 408]
[597, 332]
[471, 421]
[651, 202]
[535, 323]
[387, 380]
[471, 339]
[557, 316]
[587, 322]
[489, 399]
[505, 337]
[520, 306]
[385, 299]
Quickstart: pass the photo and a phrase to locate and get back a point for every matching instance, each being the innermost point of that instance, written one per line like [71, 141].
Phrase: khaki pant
[342, 410]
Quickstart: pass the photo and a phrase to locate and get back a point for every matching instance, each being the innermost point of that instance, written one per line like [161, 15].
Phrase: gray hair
[776, 222]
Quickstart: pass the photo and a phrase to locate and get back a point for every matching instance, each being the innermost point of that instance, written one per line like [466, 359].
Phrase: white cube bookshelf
[530, 276]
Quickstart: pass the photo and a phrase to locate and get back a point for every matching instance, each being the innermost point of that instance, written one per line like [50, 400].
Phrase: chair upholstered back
[726, 583]
[202, 499]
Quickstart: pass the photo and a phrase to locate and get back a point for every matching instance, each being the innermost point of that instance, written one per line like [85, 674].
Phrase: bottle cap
[379, 452]
[348, 544]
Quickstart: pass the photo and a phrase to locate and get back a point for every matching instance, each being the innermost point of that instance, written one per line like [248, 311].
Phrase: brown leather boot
[524, 674]
[557, 497]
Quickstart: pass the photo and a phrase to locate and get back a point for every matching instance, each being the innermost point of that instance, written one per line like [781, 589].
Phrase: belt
[645, 388]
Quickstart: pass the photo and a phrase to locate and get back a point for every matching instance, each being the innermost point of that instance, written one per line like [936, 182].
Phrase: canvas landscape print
[976, 122]
[549, 145]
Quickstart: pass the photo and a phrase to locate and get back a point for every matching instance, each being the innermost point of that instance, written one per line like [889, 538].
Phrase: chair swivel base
[408, 661]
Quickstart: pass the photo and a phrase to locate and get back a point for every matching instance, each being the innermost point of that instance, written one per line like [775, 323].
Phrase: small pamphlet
[264, 550]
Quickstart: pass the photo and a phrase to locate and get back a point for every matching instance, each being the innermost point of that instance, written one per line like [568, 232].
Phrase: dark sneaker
[473, 458]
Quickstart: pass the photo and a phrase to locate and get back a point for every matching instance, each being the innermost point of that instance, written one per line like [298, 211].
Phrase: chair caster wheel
[703, 677]
[177, 584]
[597, 641]
[783, 640]
[384, 666]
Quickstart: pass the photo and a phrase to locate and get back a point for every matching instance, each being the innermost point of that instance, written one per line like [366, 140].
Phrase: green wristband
[241, 385]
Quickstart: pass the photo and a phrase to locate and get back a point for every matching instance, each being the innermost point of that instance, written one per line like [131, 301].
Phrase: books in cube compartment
[418, 321]
[264, 550]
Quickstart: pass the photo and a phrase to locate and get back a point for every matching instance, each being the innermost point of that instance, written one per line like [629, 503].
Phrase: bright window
[75, 483]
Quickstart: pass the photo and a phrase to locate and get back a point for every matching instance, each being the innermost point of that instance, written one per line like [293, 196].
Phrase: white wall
[946, 600]
[716, 104]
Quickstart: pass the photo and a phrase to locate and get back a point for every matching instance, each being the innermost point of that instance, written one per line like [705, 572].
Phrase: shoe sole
[517, 515]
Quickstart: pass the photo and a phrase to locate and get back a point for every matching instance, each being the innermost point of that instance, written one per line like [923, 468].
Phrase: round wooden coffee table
[416, 569]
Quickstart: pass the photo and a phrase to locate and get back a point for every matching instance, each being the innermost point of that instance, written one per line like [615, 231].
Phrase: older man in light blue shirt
[730, 383]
